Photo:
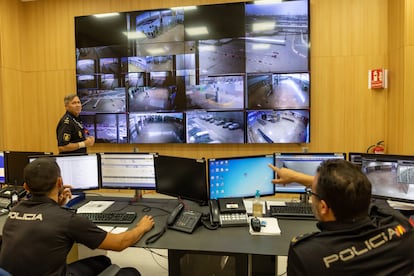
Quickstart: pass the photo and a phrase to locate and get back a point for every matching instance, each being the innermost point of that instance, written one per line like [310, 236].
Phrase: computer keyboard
[112, 218]
[292, 210]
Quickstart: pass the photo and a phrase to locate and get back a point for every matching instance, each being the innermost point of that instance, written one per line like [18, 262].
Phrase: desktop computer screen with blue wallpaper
[240, 176]
[2, 175]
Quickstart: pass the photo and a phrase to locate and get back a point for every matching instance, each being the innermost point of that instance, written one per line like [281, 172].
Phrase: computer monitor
[240, 176]
[391, 176]
[302, 162]
[127, 170]
[79, 171]
[182, 177]
[355, 158]
[2, 170]
[14, 163]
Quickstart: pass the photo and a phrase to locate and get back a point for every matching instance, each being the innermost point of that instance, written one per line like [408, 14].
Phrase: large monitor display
[391, 176]
[240, 176]
[123, 170]
[302, 162]
[245, 64]
[182, 177]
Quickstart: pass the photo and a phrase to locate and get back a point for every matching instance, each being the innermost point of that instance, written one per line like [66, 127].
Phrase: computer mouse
[256, 224]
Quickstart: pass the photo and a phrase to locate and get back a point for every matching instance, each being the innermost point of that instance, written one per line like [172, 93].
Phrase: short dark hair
[41, 175]
[345, 189]
[68, 98]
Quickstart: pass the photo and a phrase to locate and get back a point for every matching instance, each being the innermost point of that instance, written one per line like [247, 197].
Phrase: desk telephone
[183, 220]
[226, 212]
[9, 196]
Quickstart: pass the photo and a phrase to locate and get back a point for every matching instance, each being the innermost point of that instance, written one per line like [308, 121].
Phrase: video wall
[225, 73]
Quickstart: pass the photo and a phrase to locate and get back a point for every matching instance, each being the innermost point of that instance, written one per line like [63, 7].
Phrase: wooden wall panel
[347, 39]
[396, 33]
[407, 101]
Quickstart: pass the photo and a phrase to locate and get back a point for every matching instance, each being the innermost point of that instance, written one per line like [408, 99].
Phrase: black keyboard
[112, 218]
[292, 210]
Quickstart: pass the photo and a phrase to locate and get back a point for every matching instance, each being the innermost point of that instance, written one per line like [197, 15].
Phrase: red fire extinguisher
[377, 148]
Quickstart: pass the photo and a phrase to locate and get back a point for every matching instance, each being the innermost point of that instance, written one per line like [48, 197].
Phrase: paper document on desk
[95, 206]
[270, 227]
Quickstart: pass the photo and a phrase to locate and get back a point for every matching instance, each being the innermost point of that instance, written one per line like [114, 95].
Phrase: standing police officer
[70, 133]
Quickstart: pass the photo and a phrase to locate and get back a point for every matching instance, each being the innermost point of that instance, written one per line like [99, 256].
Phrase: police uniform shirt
[70, 130]
[38, 235]
[382, 244]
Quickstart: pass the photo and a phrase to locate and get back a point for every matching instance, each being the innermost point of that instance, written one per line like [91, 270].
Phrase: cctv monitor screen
[355, 158]
[391, 176]
[302, 162]
[128, 170]
[240, 176]
[247, 64]
[81, 172]
[182, 177]
[2, 175]
[14, 162]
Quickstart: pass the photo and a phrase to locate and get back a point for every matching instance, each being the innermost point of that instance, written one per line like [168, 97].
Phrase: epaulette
[302, 237]
[66, 121]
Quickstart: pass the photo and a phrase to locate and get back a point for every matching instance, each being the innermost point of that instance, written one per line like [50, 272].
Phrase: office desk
[235, 241]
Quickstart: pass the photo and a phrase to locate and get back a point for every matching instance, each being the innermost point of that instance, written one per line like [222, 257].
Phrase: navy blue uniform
[38, 235]
[381, 244]
[70, 130]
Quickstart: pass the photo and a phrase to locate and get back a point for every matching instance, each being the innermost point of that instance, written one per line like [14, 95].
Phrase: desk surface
[228, 239]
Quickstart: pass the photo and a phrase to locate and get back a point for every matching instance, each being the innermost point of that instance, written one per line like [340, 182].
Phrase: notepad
[95, 206]
[270, 227]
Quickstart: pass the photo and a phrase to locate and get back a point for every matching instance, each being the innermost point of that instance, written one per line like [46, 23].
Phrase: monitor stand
[137, 195]
[304, 198]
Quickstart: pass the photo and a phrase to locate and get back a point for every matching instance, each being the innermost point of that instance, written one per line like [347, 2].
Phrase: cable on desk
[205, 220]
[152, 252]
[147, 208]
[156, 236]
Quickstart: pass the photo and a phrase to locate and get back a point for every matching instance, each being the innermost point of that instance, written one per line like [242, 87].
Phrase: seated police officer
[38, 234]
[355, 237]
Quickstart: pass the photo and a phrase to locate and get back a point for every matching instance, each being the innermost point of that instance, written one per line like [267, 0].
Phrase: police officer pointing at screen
[355, 237]
[70, 133]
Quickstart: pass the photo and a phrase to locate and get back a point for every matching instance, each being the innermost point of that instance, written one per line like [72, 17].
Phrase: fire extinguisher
[377, 148]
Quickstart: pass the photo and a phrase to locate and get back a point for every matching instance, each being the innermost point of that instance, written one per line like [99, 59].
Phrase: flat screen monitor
[240, 176]
[14, 162]
[245, 63]
[355, 158]
[391, 176]
[128, 170]
[79, 171]
[302, 162]
[182, 177]
[2, 170]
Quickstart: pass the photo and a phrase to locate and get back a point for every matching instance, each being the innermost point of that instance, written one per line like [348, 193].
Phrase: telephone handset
[214, 212]
[174, 214]
[183, 220]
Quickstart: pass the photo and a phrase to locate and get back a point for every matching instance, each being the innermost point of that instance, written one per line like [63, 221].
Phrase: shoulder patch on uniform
[302, 237]
[66, 121]
[66, 137]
